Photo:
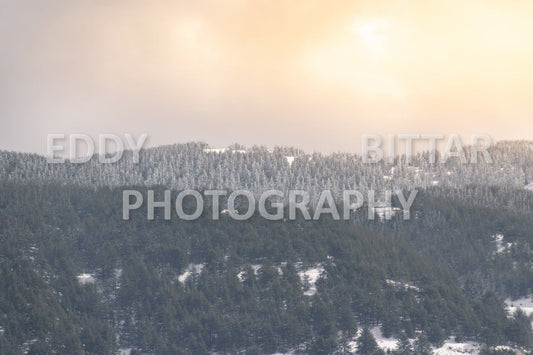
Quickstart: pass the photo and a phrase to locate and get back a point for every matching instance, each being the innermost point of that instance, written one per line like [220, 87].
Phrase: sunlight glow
[373, 33]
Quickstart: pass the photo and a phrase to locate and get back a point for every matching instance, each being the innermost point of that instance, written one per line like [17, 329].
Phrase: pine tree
[404, 345]
[422, 345]
[366, 343]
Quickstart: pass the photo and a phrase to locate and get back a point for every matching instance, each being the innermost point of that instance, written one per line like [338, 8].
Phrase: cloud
[275, 72]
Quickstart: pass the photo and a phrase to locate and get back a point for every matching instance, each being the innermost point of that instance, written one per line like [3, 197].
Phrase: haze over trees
[76, 278]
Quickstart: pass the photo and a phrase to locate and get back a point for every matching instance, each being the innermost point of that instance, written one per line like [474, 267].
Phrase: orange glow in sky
[313, 74]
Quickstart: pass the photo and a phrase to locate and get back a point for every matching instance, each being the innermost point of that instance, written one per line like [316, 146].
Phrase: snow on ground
[255, 268]
[524, 303]
[191, 269]
[240, 276]
[504, 347]
[501, 247]
[529, 187]
[214, 150]
[399, 284]
[386, 212]
[298, 350]
[290, 160]
[498, 239]
[223, 150]
[450, 346]
[383, 343]
[453, 348]
[309, 277]
[86, 279]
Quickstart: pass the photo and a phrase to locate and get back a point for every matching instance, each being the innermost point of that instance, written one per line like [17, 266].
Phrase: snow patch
[383, 343]
[524, 303]
[386, 212]
[86, 279]
[255, 268]
[192, 269]
[404, 285]
[501, 247]
[529, 187]
[215, 150]
[223, 150]
[451, 347]
[290, 160]
[309, 277]
[505, 348]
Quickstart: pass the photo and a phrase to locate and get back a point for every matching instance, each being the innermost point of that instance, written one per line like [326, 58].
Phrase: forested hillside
[69, 260]
[77, 278]
[196, 165]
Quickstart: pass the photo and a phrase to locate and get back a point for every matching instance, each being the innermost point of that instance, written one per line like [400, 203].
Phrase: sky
[313, 74]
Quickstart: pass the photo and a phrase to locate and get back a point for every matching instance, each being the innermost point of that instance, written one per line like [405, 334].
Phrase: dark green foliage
[49, 234]
[366, 344]
[404, 345]
[422, 346]
[519, 329]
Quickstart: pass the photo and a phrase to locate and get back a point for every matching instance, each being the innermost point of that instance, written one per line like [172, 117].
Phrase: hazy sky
[312, 74]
